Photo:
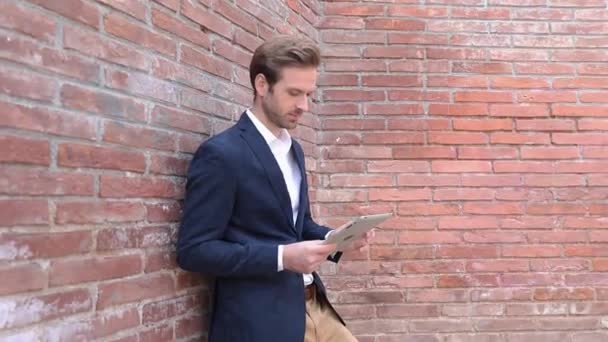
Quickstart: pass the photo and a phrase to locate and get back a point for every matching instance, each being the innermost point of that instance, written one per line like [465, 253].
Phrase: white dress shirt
[281, 149]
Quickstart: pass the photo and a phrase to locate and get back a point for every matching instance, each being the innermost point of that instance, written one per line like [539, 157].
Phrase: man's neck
[259, 113]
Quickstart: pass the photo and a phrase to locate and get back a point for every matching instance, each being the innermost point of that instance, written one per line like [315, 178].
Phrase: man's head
[283, 75]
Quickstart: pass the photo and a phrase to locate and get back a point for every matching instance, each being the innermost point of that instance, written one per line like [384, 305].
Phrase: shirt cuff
[280, 259]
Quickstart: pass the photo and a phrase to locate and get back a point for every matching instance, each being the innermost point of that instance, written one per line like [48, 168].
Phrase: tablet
[355, 229]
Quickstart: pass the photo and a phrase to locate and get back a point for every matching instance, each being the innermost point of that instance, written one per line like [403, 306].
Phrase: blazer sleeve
[210, 196]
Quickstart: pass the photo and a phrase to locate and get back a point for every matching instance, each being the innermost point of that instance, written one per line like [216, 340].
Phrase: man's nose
[303, 103]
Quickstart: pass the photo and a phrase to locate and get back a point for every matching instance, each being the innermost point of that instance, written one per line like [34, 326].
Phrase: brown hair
[279, 52]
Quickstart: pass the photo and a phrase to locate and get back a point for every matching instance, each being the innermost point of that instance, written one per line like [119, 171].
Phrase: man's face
[288, 99]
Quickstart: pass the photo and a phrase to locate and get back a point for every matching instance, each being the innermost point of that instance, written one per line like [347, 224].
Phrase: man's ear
[261, 85]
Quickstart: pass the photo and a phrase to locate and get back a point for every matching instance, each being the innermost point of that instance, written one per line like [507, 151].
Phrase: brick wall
[101, 105]
[480, 124]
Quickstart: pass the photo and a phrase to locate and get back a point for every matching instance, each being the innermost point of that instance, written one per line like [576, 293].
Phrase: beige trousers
[322, 325]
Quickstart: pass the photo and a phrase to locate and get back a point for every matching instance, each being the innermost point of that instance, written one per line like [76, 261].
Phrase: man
[247, 218]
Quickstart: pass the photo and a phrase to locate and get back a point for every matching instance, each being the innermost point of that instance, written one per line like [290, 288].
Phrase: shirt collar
[284, 138]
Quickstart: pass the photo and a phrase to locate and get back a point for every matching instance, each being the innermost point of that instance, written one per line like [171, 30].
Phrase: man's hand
[305, 256]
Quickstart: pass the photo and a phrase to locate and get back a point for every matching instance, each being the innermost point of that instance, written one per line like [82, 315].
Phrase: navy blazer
[237, 211]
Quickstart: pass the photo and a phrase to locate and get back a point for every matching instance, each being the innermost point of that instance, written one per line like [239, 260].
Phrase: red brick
[52, 121]
[77, 271]
[579, 82]
[77, 10]
[483, 280]
[592, 69]
[580, 138]
[417, 38]
[352, 95]
[579, 111]
[232, 53]
[487, 153]
[397, 52]
[501, 295]
[78, 155]
[530, 222]
[594, 96]
[520, 138]
[24, 150]
[480, 39]
[236, 16]
[339, 196]
[390, 81]
[207, 20]
[207, 63]
[157, 333]
[189, 326]
[523, 279]
[203, 103]
[361, 181]
[545, 125]
[337, 79]
[140, 84]
[497, 265]
[167, 309]
[482, 125]
[180, 29]
[25, 181]
[96, 327]
[119, 186]
[122, 27]
[28, 21]
[22, 83]
[460, 166]
[521, 110]
[246, 40]
[62, 62]
[549, 265]
[136, 8]
[580, 55]
[394, 24]
[581, 166]
[163, 212]
[424, 152]
[341, 23]
[504, 324]
[477, 13]
[399, 195]
[31, 246]
[523, 167]
[592, 125]
[23, 311]
[353, 10]
[437, 295]
[457, 138]
[531, 251]
[463, 194]
[22, 278]
[102, 103]
[416, 95]
[104, 48]
[168, 165]
[518, 55]
[482, 96]
[429, 238]
[546, 96]
[134, 289]
[458, 109]
[364, 152]
[13, 212]
[353, 37]
[457, 26]
[468, 222]
[354, 65]
[79, 212]
[340, 166]
[458, 53]
[545, 68]
[397, 166]
[337, 138]
[497, 208]
[387, 138]
[138, 136]
[159, 260]
[492, 180]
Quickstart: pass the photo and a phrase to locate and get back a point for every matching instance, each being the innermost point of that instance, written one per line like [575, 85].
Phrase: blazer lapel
[275, 177]
[299, 156]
